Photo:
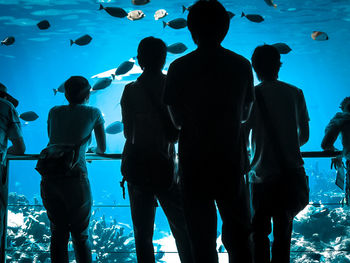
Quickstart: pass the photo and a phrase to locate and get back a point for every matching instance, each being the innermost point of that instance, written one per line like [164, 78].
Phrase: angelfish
[136, 15]
[160, 14]
[82, 41]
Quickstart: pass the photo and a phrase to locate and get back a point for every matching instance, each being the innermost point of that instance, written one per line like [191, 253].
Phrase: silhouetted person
[340, 124]
[67, 198]
[10, 129]
[285, 119]
[209, 92]
[148, 156]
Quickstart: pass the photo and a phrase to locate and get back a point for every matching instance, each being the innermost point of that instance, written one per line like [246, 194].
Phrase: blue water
[40, 60]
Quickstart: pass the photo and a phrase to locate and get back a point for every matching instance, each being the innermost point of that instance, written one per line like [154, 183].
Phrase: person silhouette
[209, 93]
[149, 155]
[279, 125]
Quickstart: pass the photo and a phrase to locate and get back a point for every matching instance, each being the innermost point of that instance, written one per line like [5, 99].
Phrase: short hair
[266, 61]
[77, 89]
[345, 104]
[208, 21]
[151, 53]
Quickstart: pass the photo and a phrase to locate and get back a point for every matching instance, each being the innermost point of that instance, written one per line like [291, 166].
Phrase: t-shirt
[339, 124]
[287, 110]
[10, 126]
[70, 124]
[209, 89]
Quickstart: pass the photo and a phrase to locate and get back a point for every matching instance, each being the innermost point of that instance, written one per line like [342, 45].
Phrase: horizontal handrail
[118, 156]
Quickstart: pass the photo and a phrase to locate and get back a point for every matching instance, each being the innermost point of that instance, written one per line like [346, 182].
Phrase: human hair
[208, 22]
[266, 61]
[151, 53]
[77, 89]
[2, 94]
[345, 104]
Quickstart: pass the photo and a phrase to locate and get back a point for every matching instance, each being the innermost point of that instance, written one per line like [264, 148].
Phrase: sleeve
[126, 112]
[99, 120]
[303, 114]
[250, 93]
[14, 129]
[331, 133]
[170, 93]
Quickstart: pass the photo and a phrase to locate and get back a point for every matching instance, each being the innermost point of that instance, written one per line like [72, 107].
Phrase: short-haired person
[148, 156]
[10, 129]
[340, 125]
[209, 92]
[67, 199]
[278, 129]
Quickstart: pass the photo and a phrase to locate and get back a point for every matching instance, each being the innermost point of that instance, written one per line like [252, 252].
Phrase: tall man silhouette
[209, 92]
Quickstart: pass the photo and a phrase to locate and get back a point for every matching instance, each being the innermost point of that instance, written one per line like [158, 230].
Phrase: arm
[100, 136]
[331, 135]
[303, 120]
[304, 133]
[14, 134]
[18, 146]
[249, 96]
[175, 117]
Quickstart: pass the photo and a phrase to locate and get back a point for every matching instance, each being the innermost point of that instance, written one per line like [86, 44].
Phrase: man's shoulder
[184, 61]
[7, 104]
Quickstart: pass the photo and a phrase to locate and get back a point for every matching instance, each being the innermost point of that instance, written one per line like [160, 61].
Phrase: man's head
[266, 61]
[6, 96]
[345, 104]
[151, 54]
[208, 22]
[77, 90]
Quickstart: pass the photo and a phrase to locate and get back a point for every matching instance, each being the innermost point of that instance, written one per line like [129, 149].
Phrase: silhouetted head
[266, 61]
[6, 96]
[345, 104]
[77, 90]
[208, 22]
[151, 54]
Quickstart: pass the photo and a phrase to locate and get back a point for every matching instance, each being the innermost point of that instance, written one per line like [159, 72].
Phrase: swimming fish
[59, 89]
[43, 25]
[114, 11]
[140, 2]
[253, 18]
[282, 48]
[184, 8]
[136, 15]
[319, 36]
[176, 23]
[177, 48]
[81, 41]
[160, 14]
[114, 128]
[124, 68]
[103, 83]
[270, 3]
[230, 14]
[29, 116]
[8, 41]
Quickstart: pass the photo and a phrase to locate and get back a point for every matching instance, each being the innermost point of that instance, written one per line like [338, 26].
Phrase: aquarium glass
[40, 60]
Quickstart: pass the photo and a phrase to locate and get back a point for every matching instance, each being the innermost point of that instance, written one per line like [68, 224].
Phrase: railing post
[3, 208]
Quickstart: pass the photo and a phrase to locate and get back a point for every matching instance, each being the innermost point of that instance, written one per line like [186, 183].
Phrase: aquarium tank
[44, 42]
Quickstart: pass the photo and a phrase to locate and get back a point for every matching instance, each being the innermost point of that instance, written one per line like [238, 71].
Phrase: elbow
[101, 148]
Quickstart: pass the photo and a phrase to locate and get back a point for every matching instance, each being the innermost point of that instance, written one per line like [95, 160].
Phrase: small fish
[177, 48]
[43, 25]
[253, 18]
[221, 249]
[103, 83]
[282, 48]
[8, 41]
[29, 116]
[59, 89]
[115, 128]
[176, 23]
[114, 11]
[136, 15]
[160, 14]
[270, 3]
[230, 14]
[184, 8]
[124, 68]
[140, 2]
[159, 255]
[81, 41]
[319, 36]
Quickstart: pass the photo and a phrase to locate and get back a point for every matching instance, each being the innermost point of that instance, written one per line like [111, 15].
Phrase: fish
[136, 15]
[159, 255]
[177, 48]
[82, 41]
[282, 48]
[253, 18]
[177, 23]
[270, 3]
[103, 83]
[114, 11]
[230, 14]
[115, 128]
[8, 41]
[140, 2]
[124, 68]
[184, 8]
[29, 116]
[319, 36]
[160, 14]
[59, 89]
[43, 25]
